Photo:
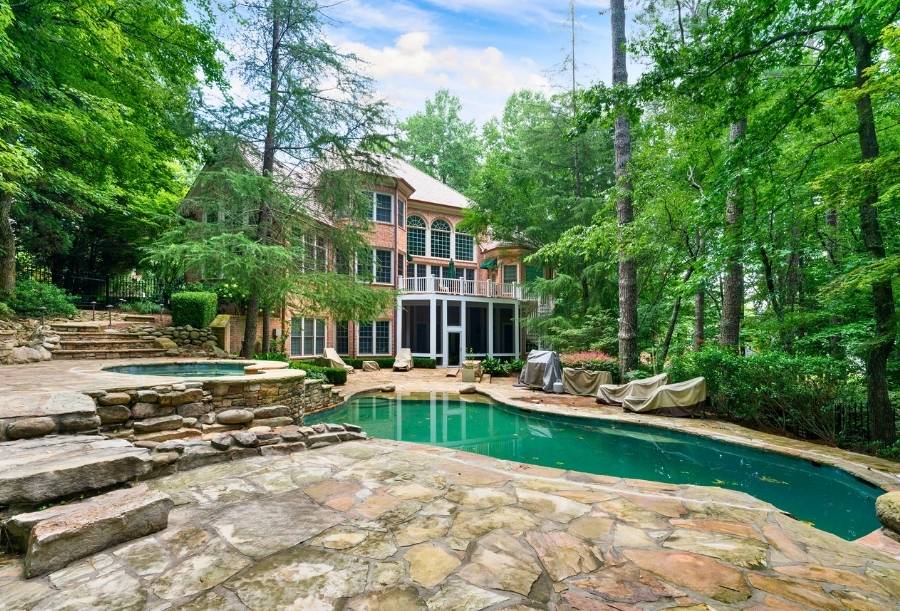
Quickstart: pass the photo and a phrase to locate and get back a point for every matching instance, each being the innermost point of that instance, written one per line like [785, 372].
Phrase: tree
[440, 143]
[97, 111]
[628, 353]
[309, 106]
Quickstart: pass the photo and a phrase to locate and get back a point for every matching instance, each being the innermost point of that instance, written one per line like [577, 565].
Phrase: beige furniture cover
[614, 394]
[583, 381]
[333, 359]
[672, 399]
[404, 360]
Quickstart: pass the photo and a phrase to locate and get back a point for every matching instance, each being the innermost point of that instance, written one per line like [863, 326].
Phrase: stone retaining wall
[192, 409]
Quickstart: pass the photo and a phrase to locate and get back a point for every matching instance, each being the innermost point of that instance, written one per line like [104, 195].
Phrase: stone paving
[395, 526]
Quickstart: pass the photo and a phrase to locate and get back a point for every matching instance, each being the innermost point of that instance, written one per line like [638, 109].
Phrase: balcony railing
[460, 286]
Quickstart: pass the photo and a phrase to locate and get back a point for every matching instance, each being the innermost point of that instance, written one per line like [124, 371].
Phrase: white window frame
[373, 323]
[503, 273]
[456, 236]
[303, 335]
[424, 229]
[375, 252]
[450, 238]
[374, 216]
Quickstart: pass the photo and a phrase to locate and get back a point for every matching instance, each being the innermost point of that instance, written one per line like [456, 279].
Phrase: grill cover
[542, 370]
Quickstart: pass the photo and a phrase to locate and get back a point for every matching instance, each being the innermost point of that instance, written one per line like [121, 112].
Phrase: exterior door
[454, 349]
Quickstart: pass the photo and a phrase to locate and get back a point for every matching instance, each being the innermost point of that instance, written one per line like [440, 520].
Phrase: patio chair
[614, 394]
[333, 359]
[404, 360]
[671, 399]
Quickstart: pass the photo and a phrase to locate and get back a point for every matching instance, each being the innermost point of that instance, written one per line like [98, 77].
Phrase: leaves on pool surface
[771, 480]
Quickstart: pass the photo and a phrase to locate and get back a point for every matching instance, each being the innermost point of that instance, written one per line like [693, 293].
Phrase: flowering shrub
[592, 360]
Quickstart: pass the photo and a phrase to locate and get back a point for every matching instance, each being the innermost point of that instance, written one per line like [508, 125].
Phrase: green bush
[801, 395]
[516, 365]
[6, 312]
[31, 296]
[270, 356]
[385, 362]
[423, 362]
[496, 367]
[333, 375]
[195, 308]
[142, 307]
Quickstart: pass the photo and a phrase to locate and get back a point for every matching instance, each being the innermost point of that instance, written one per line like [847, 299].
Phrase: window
[384, 208]
[364, 264]
[415, 236]
[314, 253]
[384, 273]
[342, 338]
[401, 215]
[510, 273]
[465, 247]
[416, 270]
[375, 338]
[307, 336]
[440, 239]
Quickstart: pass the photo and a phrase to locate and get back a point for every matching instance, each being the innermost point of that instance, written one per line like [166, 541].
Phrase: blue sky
[481, 50]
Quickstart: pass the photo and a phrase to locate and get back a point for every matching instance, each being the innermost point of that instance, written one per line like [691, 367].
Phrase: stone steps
[34, 471]
[30, 415]
[151, 318]
[109, 354]
[54, 537]
[106, 344]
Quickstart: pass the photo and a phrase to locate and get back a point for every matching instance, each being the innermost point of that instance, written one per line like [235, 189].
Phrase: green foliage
[31, 296]
[194, 308]
[497, 367]
[142, 307]
[385, 362]
[271, 356]
[424, 362]
[96, 122]
[6, 312]
[440, 143]
[333, 375]
[801, 395]
[516, 365]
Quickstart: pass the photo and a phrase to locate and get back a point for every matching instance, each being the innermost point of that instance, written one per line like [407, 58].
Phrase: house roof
[427, 189]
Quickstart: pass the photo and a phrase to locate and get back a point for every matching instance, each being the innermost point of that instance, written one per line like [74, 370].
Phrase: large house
[457, 295]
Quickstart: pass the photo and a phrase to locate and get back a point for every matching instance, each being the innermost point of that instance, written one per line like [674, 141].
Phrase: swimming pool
[184, 370]
[829, 498]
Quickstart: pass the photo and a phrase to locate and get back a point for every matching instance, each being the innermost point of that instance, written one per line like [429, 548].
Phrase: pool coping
[885, 480]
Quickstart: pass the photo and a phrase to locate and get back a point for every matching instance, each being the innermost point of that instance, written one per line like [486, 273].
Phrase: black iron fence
[102, 290]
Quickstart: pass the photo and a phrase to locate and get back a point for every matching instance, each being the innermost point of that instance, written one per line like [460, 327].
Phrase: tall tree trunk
[7, 247]
[882, 426]
[699, 317]
[265, 212]
[733, 286]
[266, 330]
[628, 356]
[673, 320]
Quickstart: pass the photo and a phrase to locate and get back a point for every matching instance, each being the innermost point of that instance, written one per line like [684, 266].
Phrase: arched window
[465, 247]
[440, 239]
[415, 236]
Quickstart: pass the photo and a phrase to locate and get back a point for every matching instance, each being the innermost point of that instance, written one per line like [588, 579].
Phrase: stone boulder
[234, 416]
[24, 354]
[887, 509]
[27, 428]
[93, 525]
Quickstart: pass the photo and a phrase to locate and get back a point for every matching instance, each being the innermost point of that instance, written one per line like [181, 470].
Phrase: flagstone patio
[389, 525]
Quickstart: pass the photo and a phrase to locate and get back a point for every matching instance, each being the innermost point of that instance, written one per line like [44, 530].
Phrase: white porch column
[432, 326]
[490, 328]
[516, 327]
[445, 340]
[398, 326]
[462, 334]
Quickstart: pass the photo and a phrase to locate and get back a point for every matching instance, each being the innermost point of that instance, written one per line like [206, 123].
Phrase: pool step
[115, 353]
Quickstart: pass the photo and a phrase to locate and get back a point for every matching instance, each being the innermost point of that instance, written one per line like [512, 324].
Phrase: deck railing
[461, 286]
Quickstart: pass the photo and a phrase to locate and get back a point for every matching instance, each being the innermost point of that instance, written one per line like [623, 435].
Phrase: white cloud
[395, 16]
[550, 12]
[412, 69]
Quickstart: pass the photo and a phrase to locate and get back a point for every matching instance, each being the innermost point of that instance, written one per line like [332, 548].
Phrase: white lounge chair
[672, 399]
[404, 360]
[614, 394]
[333, 359]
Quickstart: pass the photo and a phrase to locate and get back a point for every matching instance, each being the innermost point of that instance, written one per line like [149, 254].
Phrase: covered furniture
[584, 382]
[404, 360]
[333, 359]
[671, 399]
[471, 371]
[541, 370]
[614, 394]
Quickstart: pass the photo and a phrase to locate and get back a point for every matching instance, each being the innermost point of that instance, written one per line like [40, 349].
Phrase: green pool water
[829, 498]
[185, 370]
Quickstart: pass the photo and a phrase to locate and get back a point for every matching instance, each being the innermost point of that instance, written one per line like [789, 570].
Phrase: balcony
[458, 286]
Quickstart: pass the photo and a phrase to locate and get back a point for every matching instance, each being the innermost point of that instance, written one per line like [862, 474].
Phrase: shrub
[385, 362]
[591, 360]
[6, 312]
[796, 394]
[142, 307]
[496, 367]
[195, 308]
[423, 362]
[271, 356]
[333, 375]
[516, 365]
[31, 296]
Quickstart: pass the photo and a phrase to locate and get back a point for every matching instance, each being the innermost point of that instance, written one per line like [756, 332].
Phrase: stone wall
[193, 409]
[182, 335]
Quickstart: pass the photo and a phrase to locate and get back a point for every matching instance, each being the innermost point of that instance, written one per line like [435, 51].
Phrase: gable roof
[426, 188]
